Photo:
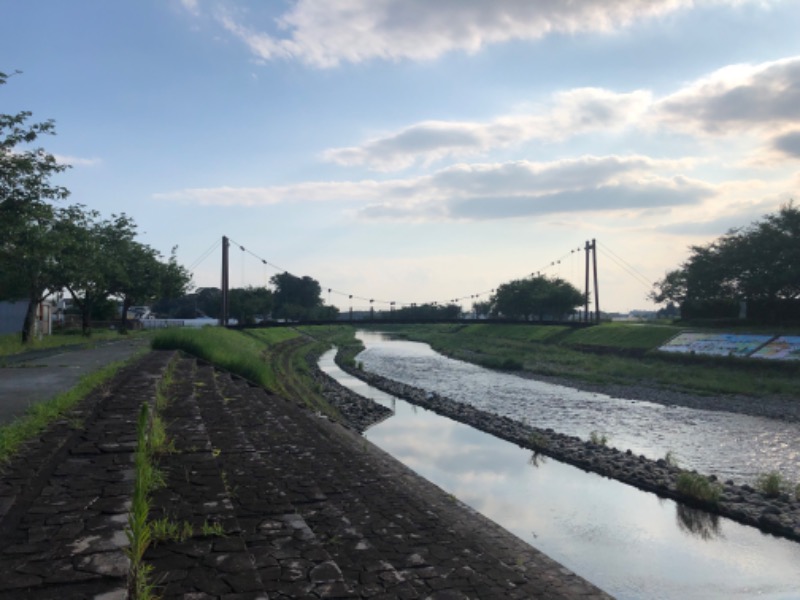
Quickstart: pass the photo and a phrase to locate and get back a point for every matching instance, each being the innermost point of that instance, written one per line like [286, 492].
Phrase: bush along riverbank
[772, 510]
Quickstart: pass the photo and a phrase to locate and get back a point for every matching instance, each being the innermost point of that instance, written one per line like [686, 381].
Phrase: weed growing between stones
[598, 438]
[695, 485]
[770, 484]
[151, 440]
[212, 529]
[537, 440]
[139, 529]
[671, 459]
[167, 530]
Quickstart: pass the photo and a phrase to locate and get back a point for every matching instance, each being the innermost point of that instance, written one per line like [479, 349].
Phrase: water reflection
[732, 446]
[630, 543]
[536, 459]
[698, 522]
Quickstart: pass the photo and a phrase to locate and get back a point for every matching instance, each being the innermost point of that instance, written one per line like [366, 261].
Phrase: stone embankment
[261, 498]
[779, 515]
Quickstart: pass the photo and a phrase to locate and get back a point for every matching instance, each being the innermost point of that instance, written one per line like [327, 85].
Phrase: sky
[415, 151]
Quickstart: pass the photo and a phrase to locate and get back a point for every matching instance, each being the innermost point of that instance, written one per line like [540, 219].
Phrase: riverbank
[258, 496]
[779, 515]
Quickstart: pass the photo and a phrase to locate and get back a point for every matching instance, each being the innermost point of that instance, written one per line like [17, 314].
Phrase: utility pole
[586, 288]
[223, 317]
[591, 247]
[596, 291]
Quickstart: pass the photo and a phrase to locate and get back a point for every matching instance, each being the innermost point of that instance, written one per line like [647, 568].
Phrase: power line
[392, 303]
[205, 255]
[625, 266]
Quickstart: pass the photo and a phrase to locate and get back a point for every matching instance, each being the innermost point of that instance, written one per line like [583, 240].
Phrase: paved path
[309, 509]
[35, 376]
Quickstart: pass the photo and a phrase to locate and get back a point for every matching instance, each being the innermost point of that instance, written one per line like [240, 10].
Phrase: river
[731, 446]
[628, 542]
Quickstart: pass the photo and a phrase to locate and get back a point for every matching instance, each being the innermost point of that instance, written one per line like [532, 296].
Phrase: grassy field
[601, 355]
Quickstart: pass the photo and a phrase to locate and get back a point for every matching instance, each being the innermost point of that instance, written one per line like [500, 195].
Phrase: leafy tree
[144, 277]
[536, 298]
[482, 309]
[427, 312]
[27, 243]
[250, 303]
[760, 263]
[295, 297]
[90, 258]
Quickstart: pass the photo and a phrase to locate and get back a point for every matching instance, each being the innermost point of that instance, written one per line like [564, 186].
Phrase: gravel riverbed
[779, 515]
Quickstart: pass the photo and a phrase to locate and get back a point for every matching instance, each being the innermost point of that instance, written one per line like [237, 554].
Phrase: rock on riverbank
[778, 515]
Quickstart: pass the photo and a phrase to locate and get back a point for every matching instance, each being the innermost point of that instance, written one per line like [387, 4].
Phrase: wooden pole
[223, 316]
[586, 288]
[596, 292]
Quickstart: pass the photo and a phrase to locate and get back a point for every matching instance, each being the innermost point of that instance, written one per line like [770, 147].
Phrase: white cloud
[737, 98]
[762, 100]
[488, 191]
[76, 161]
[570, 113]
[324, 34]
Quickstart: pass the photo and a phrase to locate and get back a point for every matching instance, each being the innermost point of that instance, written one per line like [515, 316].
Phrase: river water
[628, 542]
[731, 446]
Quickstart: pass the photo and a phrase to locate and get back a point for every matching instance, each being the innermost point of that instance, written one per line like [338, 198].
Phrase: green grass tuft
[695, 485]
[771, 484]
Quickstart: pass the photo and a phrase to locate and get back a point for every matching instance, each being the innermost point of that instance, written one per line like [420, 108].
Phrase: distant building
[12, 317]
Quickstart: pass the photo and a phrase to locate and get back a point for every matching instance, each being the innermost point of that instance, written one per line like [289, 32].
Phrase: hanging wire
[626, 266]
[205, 255]
[392, 303]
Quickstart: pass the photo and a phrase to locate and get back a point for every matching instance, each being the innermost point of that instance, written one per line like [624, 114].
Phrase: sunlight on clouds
[569, 114]
[739, 97]
[487, 191]
[325, 34]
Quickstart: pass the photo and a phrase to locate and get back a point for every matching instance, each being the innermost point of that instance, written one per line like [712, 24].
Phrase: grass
[11, 343]
[242, 353]
[697, 486]
[623, 335]
[671, 459]
[771, 484]
[41, 414]
[140, 531]
[598, 438]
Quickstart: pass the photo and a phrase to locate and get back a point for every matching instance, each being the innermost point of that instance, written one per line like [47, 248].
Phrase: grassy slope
[274, 358]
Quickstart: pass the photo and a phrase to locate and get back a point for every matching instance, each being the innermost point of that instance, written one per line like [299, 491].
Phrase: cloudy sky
[418, 150]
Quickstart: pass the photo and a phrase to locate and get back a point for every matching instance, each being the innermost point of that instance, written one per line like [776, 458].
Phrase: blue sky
[418, 150]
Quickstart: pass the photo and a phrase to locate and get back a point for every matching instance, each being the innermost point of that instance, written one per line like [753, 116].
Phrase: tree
[90, 257]
[143, 277]
[426, 312]
[249, 304]
[295, 297]
[759, 263]
[536, 297]
[26, 217]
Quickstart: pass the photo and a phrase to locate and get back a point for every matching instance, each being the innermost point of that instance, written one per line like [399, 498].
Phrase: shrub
[770, 484]
[698, 487]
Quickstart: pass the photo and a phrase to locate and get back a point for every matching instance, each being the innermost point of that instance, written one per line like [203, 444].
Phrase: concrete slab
[37, 376]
